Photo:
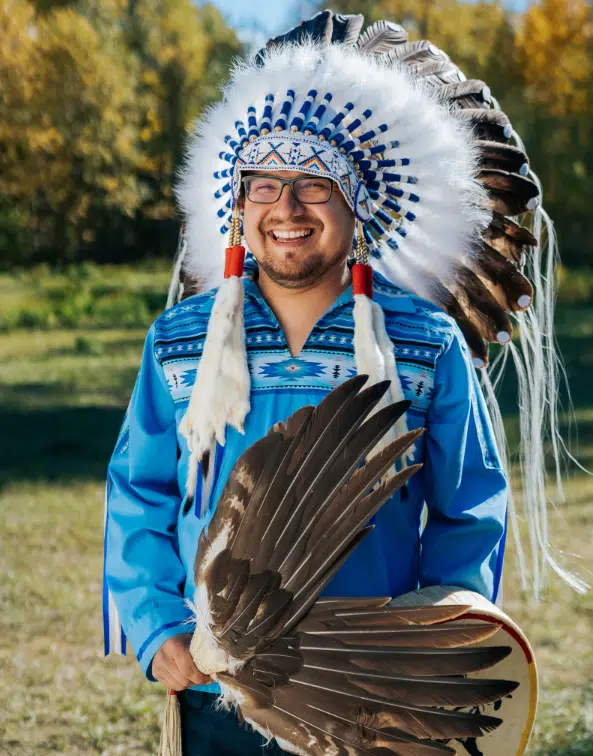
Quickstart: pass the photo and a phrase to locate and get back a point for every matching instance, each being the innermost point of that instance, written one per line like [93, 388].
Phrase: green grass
[83, 295]
[62, 398]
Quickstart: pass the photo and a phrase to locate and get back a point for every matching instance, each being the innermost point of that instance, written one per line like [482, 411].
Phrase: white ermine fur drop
[220, 394]
[374, 356]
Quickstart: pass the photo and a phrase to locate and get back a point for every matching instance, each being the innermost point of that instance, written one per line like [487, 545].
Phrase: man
[221, 367]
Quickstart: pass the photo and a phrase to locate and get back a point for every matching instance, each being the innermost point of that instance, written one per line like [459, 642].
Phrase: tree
[95, 100]
[554, 52]
[70, 129]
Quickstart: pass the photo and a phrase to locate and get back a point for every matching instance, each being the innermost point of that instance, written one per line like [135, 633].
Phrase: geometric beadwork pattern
[276, 152]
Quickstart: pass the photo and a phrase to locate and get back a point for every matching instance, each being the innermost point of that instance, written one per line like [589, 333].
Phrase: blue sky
[258, 20]
[268, 16]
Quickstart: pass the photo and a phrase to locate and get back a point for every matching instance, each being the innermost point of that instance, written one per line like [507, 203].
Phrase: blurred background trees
[96, 98]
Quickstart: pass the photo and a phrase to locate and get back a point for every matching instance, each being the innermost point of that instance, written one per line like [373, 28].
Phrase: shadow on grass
[57, 443]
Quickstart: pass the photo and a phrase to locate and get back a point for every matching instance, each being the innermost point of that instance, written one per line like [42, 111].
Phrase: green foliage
[74, 296]
[86, 345]
[576, 285]
[94, 105]
[16, 239]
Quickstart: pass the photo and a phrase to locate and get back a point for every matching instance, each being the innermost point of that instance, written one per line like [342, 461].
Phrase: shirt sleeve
[465, 487]
[144, 572]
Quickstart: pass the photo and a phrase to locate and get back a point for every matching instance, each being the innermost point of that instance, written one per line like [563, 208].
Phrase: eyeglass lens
[267, 189]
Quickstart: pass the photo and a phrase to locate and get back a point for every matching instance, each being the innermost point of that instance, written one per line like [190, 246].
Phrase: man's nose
[287, 204]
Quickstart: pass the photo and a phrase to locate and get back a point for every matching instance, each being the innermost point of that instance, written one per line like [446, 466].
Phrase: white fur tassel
[171, 744]
[367, 354]
[220, 394]
[374, 356]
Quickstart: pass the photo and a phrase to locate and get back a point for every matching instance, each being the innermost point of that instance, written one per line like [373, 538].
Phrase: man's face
[298, 262]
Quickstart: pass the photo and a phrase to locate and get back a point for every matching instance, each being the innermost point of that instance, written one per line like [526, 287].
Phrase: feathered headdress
[422, 156]
[405, 166]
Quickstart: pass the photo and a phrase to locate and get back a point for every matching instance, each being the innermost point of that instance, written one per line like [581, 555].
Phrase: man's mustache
[294, 223]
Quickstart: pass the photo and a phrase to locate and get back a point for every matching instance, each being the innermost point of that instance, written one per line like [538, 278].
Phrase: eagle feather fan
[330, 676]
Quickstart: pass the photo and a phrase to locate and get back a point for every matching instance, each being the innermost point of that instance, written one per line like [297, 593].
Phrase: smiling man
[300, 231]
[319, 177]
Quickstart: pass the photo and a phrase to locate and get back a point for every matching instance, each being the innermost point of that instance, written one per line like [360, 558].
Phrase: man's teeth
[292, 234]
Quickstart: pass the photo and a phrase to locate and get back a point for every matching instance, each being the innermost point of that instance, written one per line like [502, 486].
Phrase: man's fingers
[173, 664]
[170, 683]
[187, 668]
[170, 676]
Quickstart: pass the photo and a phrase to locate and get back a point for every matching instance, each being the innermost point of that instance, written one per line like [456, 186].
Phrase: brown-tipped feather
[481, 308]
[341, 505]
[347, 28]
[407, 690]
[351, 512]
[509, 238]
[272, 483]
[420, 51]
[344, 604]
[473, 335]
[319, 449]
[471, 93]
[317, 730]
[440, 70]
[392, 616]
[488, 124]
[505, 282]
[513, 230]
[505, 157]
[510, 193]
[307, 598]
[381, 37]
[418, 721]
[317, 652]
[447, 635]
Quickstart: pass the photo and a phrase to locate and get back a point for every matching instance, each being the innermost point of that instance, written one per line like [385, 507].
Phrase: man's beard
[295, 274]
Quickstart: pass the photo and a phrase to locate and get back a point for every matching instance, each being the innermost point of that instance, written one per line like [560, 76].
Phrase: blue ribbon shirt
[447, 526]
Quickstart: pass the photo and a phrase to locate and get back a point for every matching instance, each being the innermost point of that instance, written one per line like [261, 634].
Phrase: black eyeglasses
[310, 190]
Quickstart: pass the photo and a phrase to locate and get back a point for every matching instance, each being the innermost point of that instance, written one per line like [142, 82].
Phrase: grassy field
[63, 394]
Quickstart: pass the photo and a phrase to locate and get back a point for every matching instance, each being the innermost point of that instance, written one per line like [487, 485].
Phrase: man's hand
[173, 666]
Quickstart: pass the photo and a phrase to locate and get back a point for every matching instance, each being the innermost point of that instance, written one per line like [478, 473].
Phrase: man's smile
[293, 237]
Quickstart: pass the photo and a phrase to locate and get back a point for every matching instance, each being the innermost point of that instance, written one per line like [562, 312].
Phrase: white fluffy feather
[374, 356]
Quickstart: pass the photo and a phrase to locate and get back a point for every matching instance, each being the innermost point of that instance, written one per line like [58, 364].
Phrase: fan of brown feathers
[330, 676]
[491, 284]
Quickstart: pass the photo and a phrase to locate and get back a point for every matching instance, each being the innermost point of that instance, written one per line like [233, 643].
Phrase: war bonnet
[405, 165]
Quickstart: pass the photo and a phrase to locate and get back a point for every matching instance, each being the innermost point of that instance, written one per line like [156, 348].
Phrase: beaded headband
[316, 139]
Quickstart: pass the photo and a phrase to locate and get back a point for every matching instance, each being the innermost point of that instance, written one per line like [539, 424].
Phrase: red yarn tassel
[234, 259]
[362, 279]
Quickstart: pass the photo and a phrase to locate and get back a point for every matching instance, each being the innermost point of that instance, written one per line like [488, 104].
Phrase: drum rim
[486, 611]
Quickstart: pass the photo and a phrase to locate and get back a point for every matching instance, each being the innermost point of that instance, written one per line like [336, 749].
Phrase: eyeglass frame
[283, 183]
